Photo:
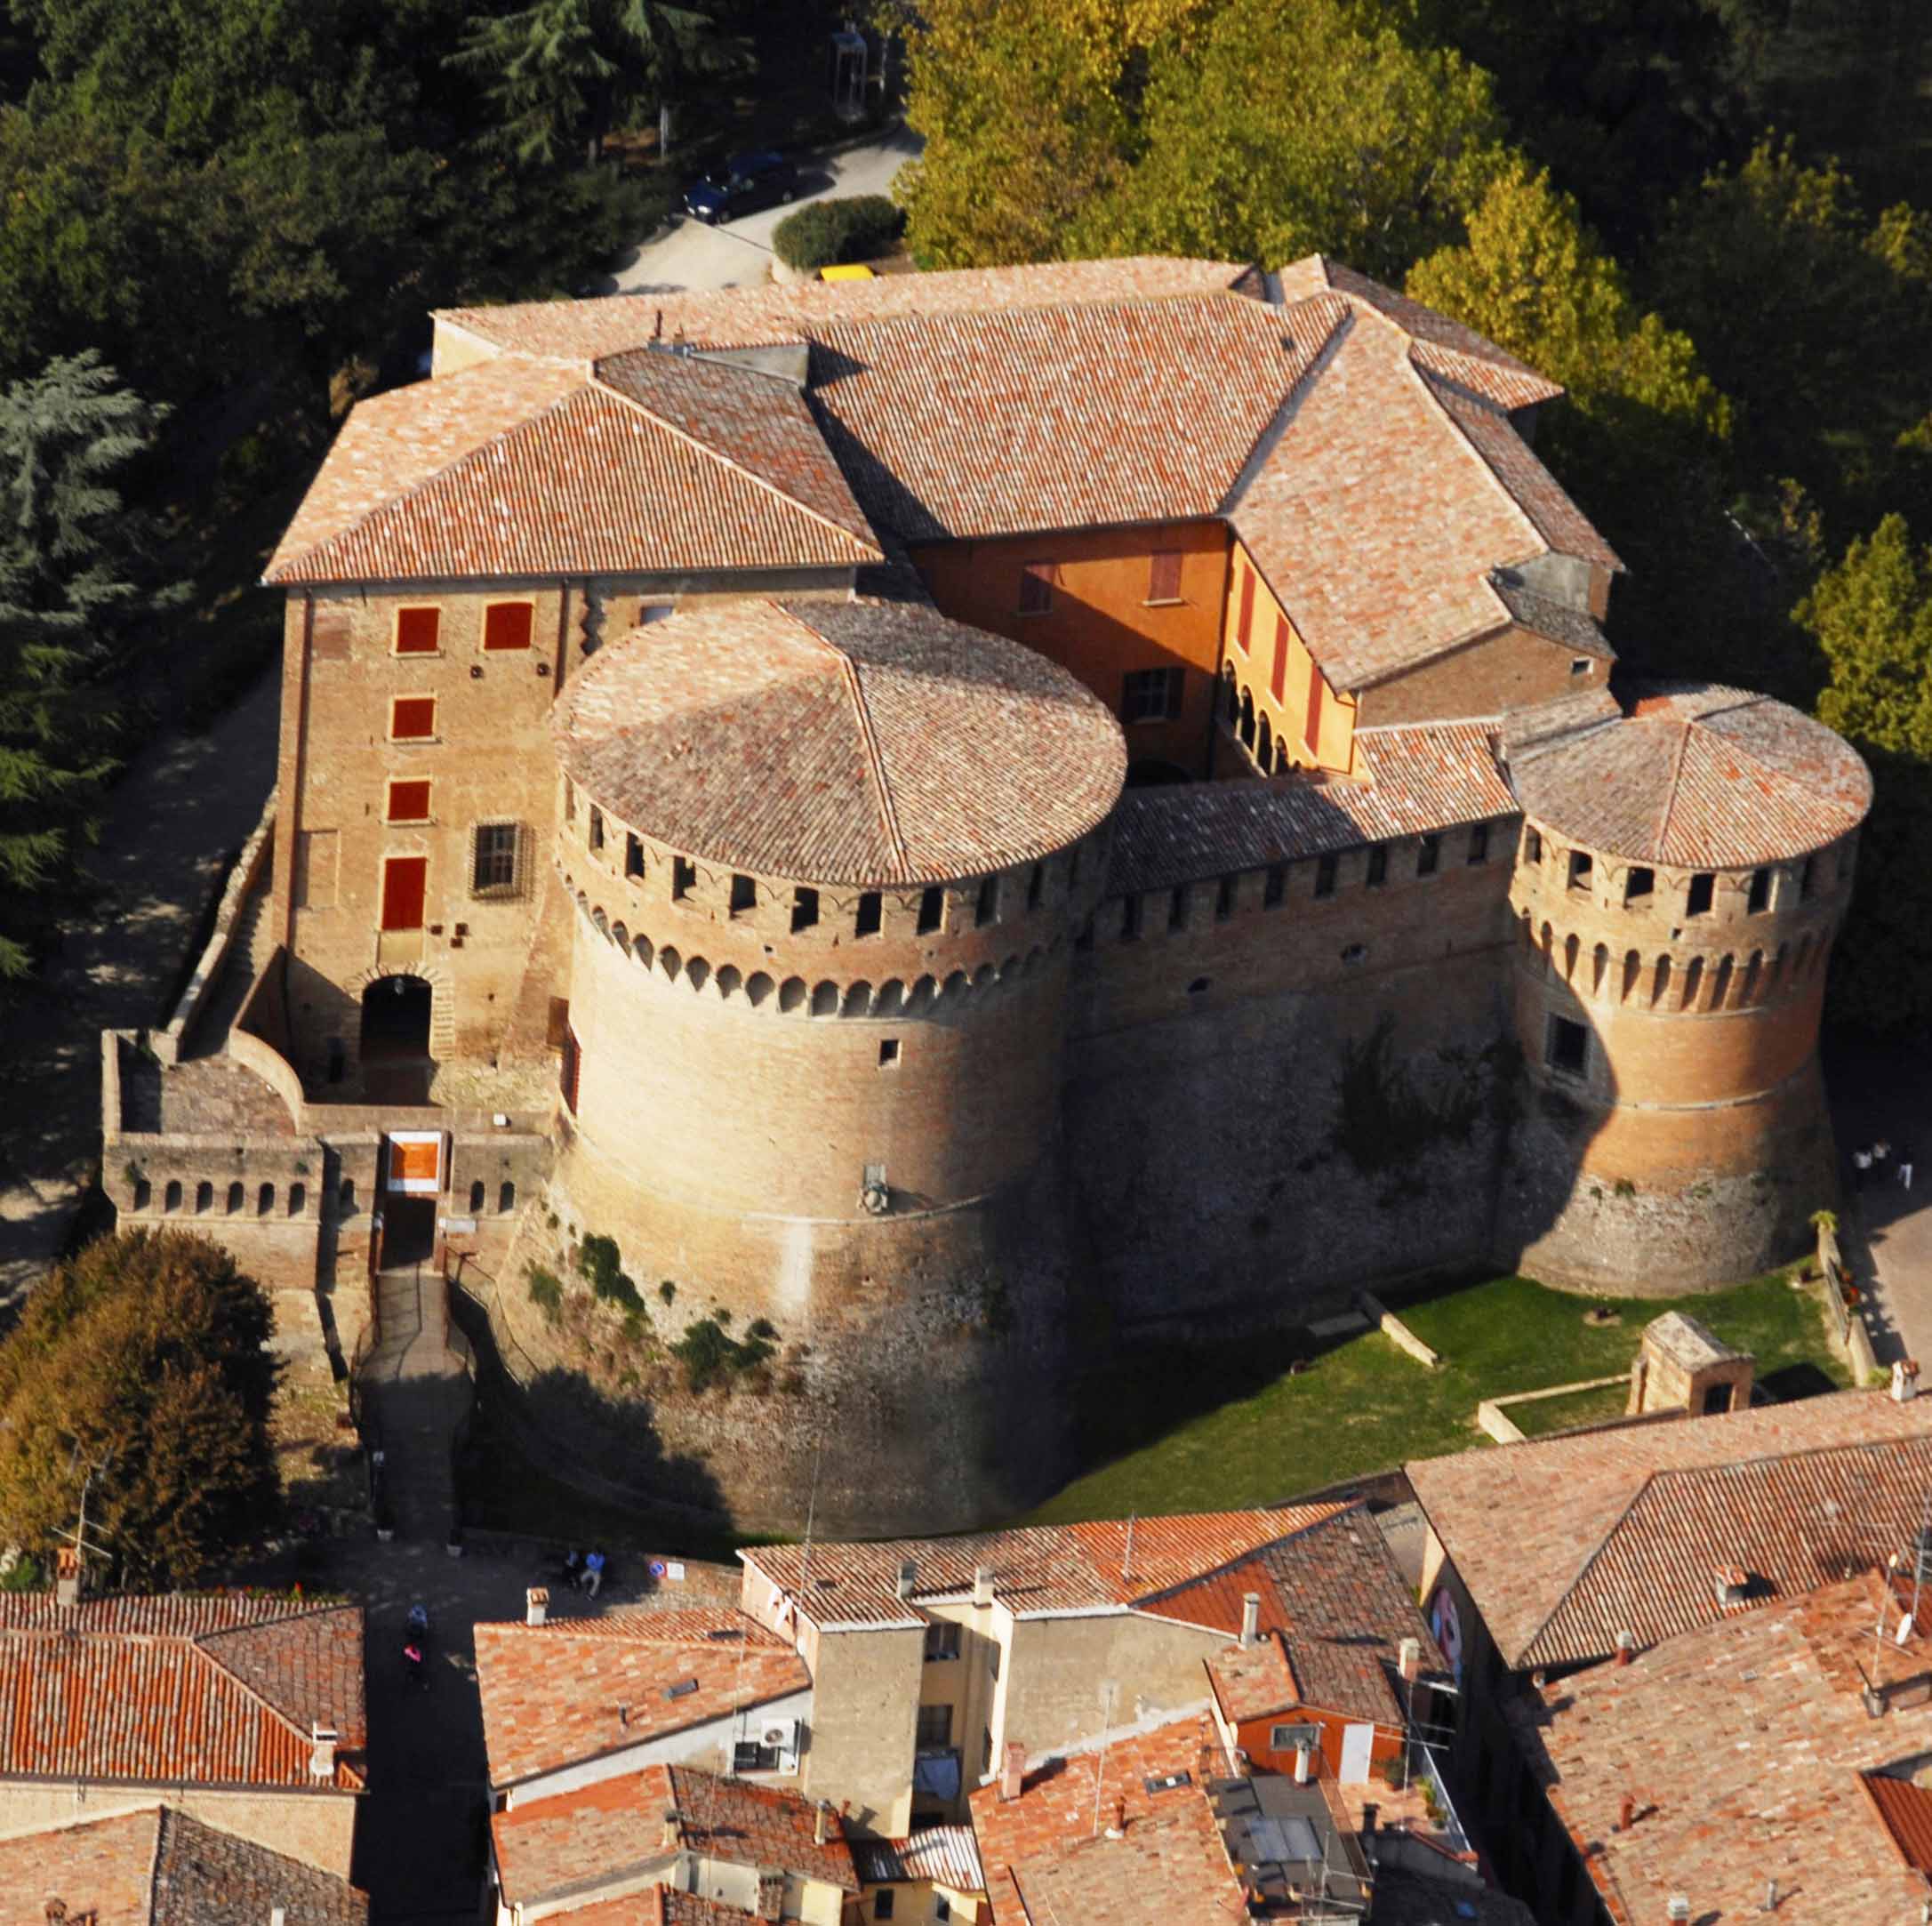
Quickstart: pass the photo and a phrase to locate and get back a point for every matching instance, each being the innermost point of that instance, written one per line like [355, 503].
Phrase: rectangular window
[683, 879]
[888, 1053]
[1164, 575]
[1479, 842]
[1567, 1047]
[882, 1903]
[1274, 886]
[417, 631]
[941, 1905]
[568, 1070]
[1760, 898]
[1429, 855]
[1037, 588]
[1702, 888]
[405, 885]
[805, 909]
[744, 895]
[1130, 919]
[1311, 726]
[1278, 680]
[1581, 869]
[493, 860]
[508, 625]
[408, 802]
[986, 906]
[633, 856]
[1325, 871]
[871, 910]
[1247, 624]
[597, 827]
[412, 718]
[1151, 694]
[1638, 882]
[932, 910]
[1804, 880]
[1177, 907]
[941, 1642]
[935, 1727]
[1580, 665]
[1532, 846]
[1225, 892]
[1036, 885]
[1378, 866]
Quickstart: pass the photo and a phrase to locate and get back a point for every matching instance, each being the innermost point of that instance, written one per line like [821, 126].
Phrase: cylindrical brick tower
[1682, 872]
[827, 860]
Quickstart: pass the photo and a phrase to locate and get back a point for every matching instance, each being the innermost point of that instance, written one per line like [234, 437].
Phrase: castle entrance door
[396, 1019]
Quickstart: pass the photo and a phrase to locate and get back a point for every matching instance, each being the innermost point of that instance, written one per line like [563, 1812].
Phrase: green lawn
[1171, 1431]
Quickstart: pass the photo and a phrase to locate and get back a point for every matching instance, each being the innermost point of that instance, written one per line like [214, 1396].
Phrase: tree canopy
[143, 1361]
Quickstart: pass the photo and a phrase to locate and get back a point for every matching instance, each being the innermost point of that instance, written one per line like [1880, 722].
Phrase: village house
[1566, 1574]
[242, 1713]
[931, 1878]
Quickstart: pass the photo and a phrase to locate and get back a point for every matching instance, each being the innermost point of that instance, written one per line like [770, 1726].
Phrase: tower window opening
[1702, 887]
[1580, 665]
[871, 910]
[1567, 1047]
[1760, 898]
[683, 879]
[1429, 855]
[932, 910]
[1805, 877]
[1274, 886]
[1378, 866]
[744, 895]
[1224, 892]
[1638, 883]
[1178, 908]
[1130, 919]
[888, 1053]
[1582, 868]
[1324, 875]
[986, 906]
[805, 909]
[1479, 842]
[597, 827]
[1036, 885]
[633, 856]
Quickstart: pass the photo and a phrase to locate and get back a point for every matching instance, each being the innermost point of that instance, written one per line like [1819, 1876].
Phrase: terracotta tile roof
[655, 1906]
[1404, 1897]
[614, 1830]
[1544, 616]
[840, 743]
[577, 1688]
[1745, 1748]
[651, 462]
[577, 330]
[1336, 1608]
[1419, 778]
[980, 424]
[1523, 1523]
[1442, 346]
[1089, 1567]
[1047, 1862]
[1698, 774]
[219, 1691]
[944, 1854]
[1906, 1810]
[157, 1866]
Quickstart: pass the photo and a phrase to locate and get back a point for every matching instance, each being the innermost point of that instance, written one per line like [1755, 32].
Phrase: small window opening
[1178, 908]
[1804, 880]
[1532, 846]
[170, 1197]
[1580, 665]
[1324, 875]
[477, 1195]
[1130, 919]
[1198, 987]
[1760, 898]
[1703, 888]
[1582, 866]
[597, 827]
[1274, 886]
[986, 908]
[1084, 941]
[1355, 952]
[203, 1199]
[684, 878]
[1478, 843]
[1036, 885]
[744, 895]
[265, 1200]
[871, 911]
[297, 1199]
[143, 1193]
[345, 1199]
[888, 1053]
[805, 909]
[1567, 1048]
[1224, 895]
[506, 1197]
[235, 1199]
[1638, 882]
[1378, 866]
[1429, 856]
[932, 910]
[633, 855]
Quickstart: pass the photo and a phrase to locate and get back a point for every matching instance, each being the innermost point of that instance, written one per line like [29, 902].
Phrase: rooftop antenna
[85, 1548]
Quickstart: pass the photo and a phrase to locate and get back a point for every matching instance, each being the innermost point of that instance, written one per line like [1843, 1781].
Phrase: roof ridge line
[875, 761]
[1667, 805]
[1274, 431]
[738, 468]
[432, 477]
[1427, 380]
[1584, 1570]
[154, 1865]
[260, 1698]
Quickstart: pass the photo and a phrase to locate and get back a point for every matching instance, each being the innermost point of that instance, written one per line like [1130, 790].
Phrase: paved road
[186, 803]
[739, 253]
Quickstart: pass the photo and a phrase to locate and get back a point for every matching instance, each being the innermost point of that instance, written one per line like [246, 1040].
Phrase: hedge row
[825, 234]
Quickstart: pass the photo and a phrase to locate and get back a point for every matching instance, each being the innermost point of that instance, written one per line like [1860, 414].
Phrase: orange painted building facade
[1287, 714]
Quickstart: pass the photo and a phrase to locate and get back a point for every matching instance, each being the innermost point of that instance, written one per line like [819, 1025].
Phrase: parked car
[744, 184]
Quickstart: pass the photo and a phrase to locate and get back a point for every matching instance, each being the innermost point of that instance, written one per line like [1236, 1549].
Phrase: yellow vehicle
[856, 271]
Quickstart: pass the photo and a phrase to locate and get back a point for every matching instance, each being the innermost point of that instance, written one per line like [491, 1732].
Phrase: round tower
[1682, 872]
[827, 860]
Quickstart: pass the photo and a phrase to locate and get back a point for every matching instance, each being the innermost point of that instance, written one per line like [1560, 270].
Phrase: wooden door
[406, 888]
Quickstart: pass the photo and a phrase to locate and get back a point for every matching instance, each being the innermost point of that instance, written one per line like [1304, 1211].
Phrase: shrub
[546, 1289]
[600, 1260]
[824, 234]
[709, 1354]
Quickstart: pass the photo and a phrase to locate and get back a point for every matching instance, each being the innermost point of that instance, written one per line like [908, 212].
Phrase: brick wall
[1514, 669]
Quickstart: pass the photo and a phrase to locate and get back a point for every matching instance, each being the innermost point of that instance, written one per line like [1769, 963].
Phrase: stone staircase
[416, 1390]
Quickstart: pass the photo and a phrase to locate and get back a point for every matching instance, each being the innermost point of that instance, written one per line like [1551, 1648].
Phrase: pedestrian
[1881, 1151]
[1861, 1167]
[413, 1663]
[1904, 1167]
[593, 1572]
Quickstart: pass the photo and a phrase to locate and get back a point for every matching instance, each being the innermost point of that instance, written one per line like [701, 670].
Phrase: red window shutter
[1247, 608]
[409, 802]
[417, 630]
[1278, 682]
[1164, 575]
[413, 718]
[570, 1069]
[507, 625]
[405, 888]
[1311, 729]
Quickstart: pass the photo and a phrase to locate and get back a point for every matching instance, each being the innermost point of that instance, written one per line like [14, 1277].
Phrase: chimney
[821, 1821]
[277, 1916]
[1409, 1659]
[1731, 1583]
[982, 1584]
[1250, 1618]
[673, 1836]
[66, 1582]
[1012, 1769]
[908, 1576]
[1119, 1829]
[1626, 1812]
[322, 1743]
[537, 1604]
[1626, 1647]
[1304, 1756]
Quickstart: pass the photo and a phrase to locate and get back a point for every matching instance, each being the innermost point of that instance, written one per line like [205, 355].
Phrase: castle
[957, 815]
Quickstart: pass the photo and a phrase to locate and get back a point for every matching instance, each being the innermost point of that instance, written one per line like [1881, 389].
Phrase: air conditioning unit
[779, 1734]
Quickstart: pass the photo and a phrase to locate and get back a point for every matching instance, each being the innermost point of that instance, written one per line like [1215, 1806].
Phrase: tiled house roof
[1419, 778]
[1745, 1748]
[655, 1906]
[1525, 1524]
[652, 463]
[1095, 1566]
[914, 750]
[944, 1854]
[1154, 1859]
[619, 1829]
[1699, 775]
[1543, 615]
[578, 1689]
[208, 1691]
[157, 1866]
